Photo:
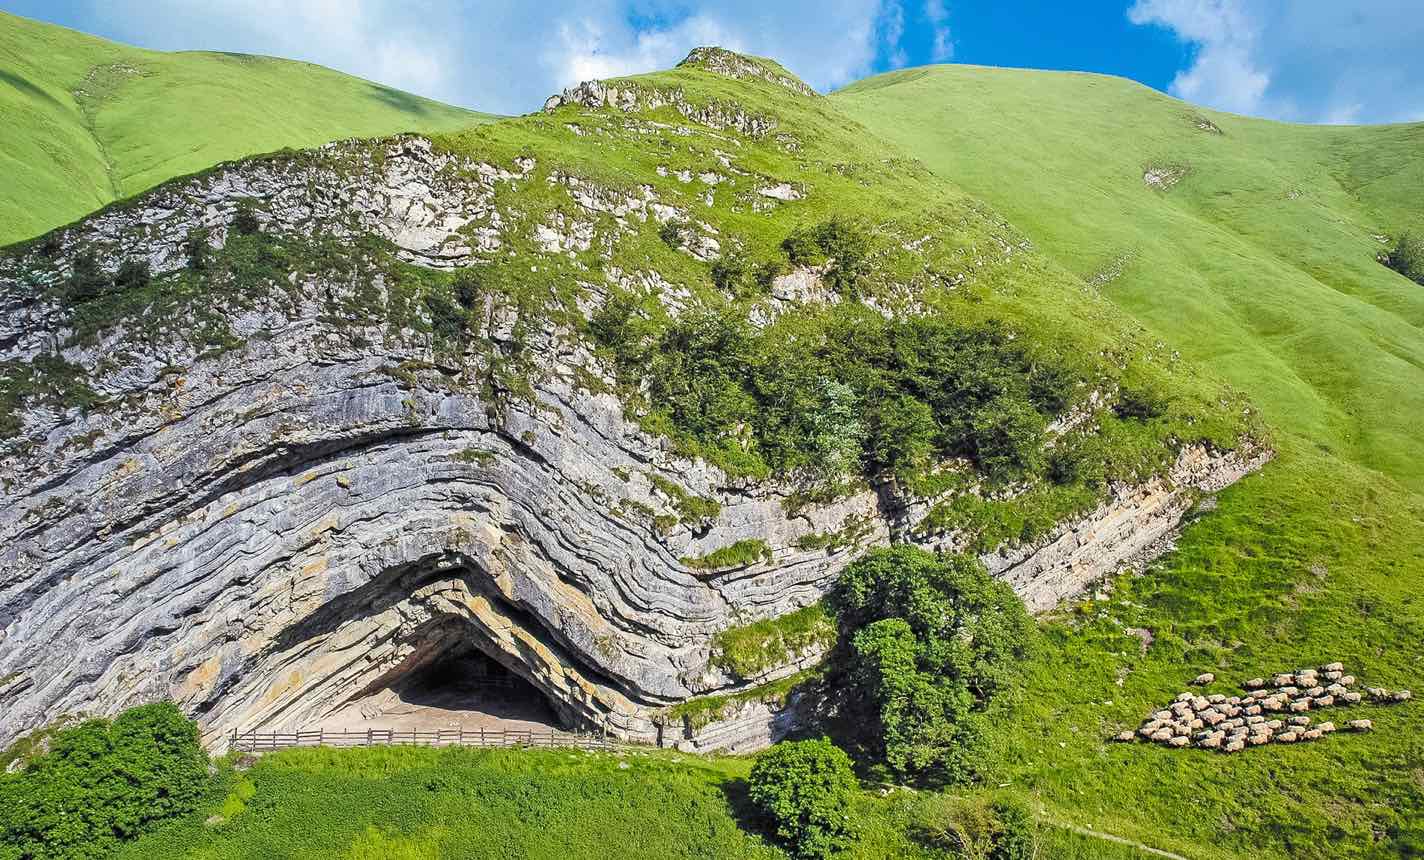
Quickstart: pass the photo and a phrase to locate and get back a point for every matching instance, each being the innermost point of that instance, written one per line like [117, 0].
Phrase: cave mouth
[458, 688]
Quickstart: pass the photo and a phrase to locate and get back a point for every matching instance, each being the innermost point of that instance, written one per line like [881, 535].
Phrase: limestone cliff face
[266, 532]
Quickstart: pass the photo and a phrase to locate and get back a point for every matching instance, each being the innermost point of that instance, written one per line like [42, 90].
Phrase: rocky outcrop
[268, 532]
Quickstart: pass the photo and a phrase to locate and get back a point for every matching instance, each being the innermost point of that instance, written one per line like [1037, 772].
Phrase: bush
[1141, 403]
[671, 234]
[102, 783]
[768, 272]
[133, 275]
[1006, 438]
[446, 320]
[1050, 387]
[1016, 836]
[732, 274]
[197, 249]
[245, 220]
[973, 828]
[801, 247]
[805, 789]
[927, 642]
[86, 280]
[52, 246]
[1407, 257]
[829, 392]
[848, 245]
[839, 240]
[468, 289]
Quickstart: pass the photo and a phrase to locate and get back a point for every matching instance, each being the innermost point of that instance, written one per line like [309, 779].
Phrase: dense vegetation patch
[102, 783]
[826, 393]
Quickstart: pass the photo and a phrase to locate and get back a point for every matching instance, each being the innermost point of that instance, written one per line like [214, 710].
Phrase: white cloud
[938, 17]
[364, 37]
[500, 55]
[892, 31]
[1306, 61]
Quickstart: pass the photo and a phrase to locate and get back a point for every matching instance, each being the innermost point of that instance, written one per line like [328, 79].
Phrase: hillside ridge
[91, 121]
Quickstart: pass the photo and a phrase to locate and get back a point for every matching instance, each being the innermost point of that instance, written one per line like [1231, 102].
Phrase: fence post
[368, 737]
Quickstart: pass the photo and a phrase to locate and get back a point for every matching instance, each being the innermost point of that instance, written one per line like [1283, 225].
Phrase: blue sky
[1298, 60]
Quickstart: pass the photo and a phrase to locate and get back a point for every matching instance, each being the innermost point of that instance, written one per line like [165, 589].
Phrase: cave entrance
[456, 689]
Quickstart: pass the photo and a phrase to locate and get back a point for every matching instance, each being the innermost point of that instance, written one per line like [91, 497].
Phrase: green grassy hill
[1256, 261]
[88, 121]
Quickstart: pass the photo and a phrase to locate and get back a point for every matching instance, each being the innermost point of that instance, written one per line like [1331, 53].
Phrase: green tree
[805, 789]
[928, 641]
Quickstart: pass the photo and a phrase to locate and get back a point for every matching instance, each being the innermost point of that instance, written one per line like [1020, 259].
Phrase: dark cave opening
[456, 687]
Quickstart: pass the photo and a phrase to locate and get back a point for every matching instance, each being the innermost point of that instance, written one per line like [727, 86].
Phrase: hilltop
[89, 121]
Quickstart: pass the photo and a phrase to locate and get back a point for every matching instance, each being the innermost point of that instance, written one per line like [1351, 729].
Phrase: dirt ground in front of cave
[447, 702]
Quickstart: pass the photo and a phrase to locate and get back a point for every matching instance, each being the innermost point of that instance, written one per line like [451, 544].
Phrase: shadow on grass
[23, 85]
[401, 101]
[739, 802]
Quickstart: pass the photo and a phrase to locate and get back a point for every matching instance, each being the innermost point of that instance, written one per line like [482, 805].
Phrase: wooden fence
[263, 741]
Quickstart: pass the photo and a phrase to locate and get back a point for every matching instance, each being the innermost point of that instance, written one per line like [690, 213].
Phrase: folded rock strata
[268, 533]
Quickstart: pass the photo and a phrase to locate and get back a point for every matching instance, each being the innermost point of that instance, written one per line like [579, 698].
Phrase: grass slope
[89, 121]
[397, 803]
[1259, 265]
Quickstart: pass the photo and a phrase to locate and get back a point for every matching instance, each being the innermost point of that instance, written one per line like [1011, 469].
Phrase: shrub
[801, 247]
[86, 280]
[671, 233]
[1016, 836]
[902, 433]
[1141, 403]
[1006, 437]
[805, 789]
[245, 220]
[927, 642]
[1050, 387]
[468, 289]
[102, 783]
[974, 828]
[847, 244]
[1407, 257]
[732, 274]
[52, 246]
[842, 241]
[768, 272]
[133, 274]
[197, 249]
[446, 320]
